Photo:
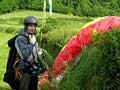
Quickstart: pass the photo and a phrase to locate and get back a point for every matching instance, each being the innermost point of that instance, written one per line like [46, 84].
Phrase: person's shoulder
[21, 37]
[22, 33]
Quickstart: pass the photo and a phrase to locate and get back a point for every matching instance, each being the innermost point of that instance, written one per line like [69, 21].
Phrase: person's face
[31, 28]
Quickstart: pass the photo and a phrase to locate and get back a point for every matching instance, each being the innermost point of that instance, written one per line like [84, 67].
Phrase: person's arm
[23, 47]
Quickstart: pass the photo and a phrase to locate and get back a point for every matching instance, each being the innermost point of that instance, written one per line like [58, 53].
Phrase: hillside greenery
[92, 8]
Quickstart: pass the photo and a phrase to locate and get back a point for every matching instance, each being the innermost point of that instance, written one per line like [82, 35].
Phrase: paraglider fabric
[83, 38]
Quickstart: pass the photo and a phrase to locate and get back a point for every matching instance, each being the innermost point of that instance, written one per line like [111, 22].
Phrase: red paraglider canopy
[83, 38]
[74, 46]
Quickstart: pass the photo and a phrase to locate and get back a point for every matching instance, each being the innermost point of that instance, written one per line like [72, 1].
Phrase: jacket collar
[23, 32]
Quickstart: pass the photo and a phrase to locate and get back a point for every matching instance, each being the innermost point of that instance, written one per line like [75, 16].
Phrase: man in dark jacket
[27, 48]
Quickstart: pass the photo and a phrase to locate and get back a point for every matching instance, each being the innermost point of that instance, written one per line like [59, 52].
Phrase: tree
[8, 6]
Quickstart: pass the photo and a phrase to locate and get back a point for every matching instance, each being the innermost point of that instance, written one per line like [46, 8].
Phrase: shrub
[97, 67]
[110, 50]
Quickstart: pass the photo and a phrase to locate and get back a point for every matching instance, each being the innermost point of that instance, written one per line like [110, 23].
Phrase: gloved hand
[40, 52]
[18, 74]
[32, 39]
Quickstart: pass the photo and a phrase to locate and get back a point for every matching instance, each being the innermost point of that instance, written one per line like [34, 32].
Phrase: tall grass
[97, 67]
[79, 75]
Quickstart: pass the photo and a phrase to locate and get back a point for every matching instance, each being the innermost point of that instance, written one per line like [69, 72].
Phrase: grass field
[3, 57]
[14, 20]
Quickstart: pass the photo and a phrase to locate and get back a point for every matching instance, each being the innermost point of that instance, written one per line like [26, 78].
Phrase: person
[28, 66]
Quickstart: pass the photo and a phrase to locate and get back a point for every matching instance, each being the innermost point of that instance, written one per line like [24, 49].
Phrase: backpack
[9, 75]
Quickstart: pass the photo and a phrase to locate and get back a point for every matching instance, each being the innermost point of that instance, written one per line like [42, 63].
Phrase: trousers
[28, 82]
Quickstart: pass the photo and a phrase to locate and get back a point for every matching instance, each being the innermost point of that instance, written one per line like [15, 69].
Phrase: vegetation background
[68, 17]
[92, 8]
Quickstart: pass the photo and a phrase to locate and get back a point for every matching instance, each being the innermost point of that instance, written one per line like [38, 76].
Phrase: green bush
[110, 50]
[97, 67]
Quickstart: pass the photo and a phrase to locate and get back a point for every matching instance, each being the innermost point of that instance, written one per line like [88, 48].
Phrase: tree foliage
[77, 7]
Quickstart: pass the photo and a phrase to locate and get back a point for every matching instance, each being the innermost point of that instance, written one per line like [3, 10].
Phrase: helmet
[30, 20]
